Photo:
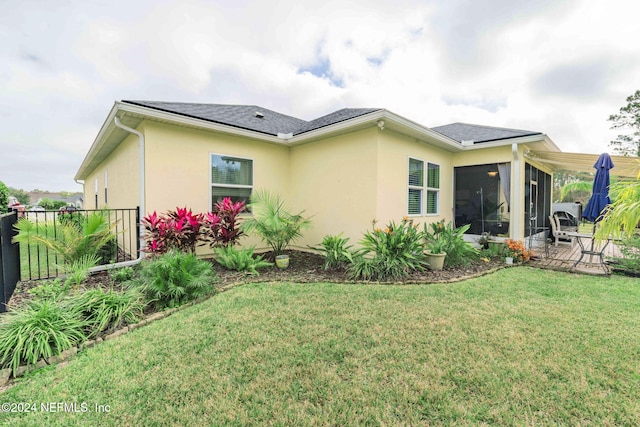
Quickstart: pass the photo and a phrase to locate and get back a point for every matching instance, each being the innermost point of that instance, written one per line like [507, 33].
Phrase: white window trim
[211, 184]
[422, 188]
[434, 189]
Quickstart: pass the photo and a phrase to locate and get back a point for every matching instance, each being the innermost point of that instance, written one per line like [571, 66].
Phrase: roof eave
[389, 120]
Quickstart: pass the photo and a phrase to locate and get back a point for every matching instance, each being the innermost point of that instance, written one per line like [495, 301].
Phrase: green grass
[518, 347]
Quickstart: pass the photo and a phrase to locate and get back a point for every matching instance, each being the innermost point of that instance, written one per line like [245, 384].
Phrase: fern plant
[240, 259]
[174, 278]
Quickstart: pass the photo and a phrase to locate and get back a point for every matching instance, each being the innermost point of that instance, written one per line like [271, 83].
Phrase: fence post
[9, 259]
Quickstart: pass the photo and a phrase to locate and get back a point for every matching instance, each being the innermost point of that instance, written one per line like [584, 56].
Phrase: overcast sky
[556, 66]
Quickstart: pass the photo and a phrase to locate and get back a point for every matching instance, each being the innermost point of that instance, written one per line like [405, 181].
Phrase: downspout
[515, 185]
[141, 202]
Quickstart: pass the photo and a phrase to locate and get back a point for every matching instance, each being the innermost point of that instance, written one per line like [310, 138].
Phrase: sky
[560, 67]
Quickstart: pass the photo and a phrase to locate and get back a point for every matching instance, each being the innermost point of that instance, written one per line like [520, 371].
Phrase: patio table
[597, 250]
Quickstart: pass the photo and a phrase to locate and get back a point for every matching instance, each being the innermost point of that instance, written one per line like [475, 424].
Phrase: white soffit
[627, 167]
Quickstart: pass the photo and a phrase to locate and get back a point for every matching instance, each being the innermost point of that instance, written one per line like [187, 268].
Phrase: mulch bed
[304, 267]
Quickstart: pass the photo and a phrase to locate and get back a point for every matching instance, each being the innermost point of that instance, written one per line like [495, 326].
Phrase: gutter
[141, 202]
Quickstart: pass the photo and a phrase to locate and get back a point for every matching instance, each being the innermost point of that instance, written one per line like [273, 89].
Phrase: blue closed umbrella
[600, 194]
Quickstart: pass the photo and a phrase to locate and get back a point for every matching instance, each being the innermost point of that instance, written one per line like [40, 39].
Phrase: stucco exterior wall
[178, 165]
[178, 168]
[122, 179]
[393, 169]
[334, 181]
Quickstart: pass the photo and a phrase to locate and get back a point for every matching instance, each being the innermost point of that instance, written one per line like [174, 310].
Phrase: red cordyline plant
[221, 225]
[179, 229]
[182, 229]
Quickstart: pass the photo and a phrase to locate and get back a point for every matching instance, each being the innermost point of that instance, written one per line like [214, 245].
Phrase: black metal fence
[37, 261]
[9, 259]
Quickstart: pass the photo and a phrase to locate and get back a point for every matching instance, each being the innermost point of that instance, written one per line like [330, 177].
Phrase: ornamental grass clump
[106, 310]
[391, 253]
[41, 329]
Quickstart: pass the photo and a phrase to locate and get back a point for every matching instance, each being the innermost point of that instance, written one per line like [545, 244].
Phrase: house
[344, 169]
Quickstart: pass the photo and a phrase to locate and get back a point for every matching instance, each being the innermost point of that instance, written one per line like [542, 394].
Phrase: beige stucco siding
[178, 168]
[395, 150]
[334, 181]
[178, 165]
[122, 179]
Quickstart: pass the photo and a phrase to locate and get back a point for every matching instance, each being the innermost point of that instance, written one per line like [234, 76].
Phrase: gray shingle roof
[245, 117]
[335, 117]
[478, 133]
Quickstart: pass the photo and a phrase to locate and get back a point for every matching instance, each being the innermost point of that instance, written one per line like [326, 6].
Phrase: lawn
[518, 347]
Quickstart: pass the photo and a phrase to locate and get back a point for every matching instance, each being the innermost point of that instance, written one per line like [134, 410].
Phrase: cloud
[560, 67]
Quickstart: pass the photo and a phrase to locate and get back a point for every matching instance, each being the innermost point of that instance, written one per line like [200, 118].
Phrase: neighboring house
[75, 199]
[344, 169]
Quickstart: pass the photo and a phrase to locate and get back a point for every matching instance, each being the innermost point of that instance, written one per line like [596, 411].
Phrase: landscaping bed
[304, 267]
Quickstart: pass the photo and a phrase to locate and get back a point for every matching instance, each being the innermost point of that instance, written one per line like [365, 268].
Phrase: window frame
[420, 188]
[432, 189]
[219, 185]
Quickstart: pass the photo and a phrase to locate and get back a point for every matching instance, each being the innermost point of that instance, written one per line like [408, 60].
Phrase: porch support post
[516, 188]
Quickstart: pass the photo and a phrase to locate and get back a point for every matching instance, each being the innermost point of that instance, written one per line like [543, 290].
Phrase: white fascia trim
[508, 142]
[98, 142]
[163, 115]
[373, 118]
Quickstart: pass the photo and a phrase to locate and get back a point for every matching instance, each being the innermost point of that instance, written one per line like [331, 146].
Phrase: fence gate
[9, 259]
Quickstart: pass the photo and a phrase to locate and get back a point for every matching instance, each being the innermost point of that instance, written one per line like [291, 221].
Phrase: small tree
[628, 118]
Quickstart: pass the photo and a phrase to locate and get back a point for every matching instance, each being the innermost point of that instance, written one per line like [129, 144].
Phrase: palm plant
[621, 218]
[67, 239]
[273, 222]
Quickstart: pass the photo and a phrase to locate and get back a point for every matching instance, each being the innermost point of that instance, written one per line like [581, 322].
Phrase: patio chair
[557, 231]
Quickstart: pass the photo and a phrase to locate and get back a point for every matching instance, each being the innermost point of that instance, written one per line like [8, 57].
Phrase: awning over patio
[627, 167]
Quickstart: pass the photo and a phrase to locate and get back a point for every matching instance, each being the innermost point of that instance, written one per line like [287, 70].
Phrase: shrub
[221, 225]
[239, 259]
[630, 250]
[120, 275]
[40, 329]
[51, 290]
[336, 252]
[273, 222]
[389, 254]
[179, 229]
[174, 278]
[107, 310]
[450, 241]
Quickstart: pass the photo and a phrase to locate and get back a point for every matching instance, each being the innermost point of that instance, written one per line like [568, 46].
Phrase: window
[231, 177]
[416, 186]
[433, 189]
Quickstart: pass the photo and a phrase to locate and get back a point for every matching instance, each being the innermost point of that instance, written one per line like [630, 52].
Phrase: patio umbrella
[600, 194]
